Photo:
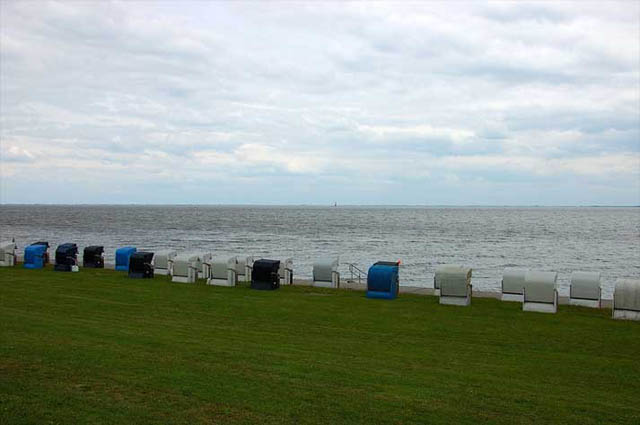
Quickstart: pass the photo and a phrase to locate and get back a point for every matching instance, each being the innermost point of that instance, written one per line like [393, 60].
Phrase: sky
[398, 103]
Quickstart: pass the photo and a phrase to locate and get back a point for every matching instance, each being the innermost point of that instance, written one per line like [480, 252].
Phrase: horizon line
[332, 205]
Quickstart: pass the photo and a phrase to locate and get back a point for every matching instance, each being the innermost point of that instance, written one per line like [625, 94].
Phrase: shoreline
[606, 303]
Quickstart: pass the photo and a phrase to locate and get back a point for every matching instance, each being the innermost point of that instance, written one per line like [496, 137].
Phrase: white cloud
[14, 153]
[418, 131]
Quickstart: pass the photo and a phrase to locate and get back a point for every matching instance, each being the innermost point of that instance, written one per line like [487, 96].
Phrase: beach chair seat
[205, 264]
[383, 280]
[93, 257]
[585, 289]
[626, 299]
[326, 274]
[122, 257]
[440, 272]
[140, 265]
[34, 256]
[512, 284]
[285, 272]
[454, 282]
[185, 268]
[45, 255]
[162, 261]
[66, 257]
[540, 292]
[265, 275]
[8, 253]
[244, 266]
[223, 272]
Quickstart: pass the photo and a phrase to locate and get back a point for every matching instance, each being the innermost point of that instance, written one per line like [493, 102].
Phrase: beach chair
[66, 258]
[205, 265]
[383, 281]
[285, 272]
[185, 268]
[140, 265]
[454, 282]
[243, 268]
[8, 253]
[442, 270]
[265, 275]
[162, 261]
[34, 256]
[45, 255]
[540, 293]
[585, 289]
[223, 272]
[513, 284]
[326, 274]
[93, 257]
[122, 257]
[626, 299]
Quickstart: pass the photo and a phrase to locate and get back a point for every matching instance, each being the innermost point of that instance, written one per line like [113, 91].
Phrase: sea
[487, 239]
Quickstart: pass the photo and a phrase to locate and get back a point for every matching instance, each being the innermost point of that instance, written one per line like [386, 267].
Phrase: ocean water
[487, 239]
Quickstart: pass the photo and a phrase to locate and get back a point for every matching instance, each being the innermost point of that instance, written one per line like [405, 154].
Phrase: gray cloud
[371, 103]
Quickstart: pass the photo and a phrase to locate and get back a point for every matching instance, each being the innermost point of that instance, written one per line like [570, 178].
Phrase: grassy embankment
[97, 347]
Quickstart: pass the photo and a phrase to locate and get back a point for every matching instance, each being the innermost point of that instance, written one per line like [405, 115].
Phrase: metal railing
[356, 273]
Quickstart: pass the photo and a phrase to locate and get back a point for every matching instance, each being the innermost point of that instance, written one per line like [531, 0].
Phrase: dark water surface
[488, 239]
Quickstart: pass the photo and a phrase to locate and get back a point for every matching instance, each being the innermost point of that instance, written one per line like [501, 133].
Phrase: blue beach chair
[122, 257]
[383, 280]
[34, 256]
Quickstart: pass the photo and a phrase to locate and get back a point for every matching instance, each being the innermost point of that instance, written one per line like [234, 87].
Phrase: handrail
[355, 271]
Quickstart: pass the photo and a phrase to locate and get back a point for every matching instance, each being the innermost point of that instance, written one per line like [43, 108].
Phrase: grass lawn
[97, 347]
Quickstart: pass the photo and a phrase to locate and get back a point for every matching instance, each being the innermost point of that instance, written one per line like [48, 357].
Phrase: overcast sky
[310, 103]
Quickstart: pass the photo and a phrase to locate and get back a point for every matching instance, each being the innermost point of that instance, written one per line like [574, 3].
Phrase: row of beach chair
[536, 290]
[223, 271]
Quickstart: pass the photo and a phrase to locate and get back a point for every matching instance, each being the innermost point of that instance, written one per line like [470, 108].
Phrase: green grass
[97, 347]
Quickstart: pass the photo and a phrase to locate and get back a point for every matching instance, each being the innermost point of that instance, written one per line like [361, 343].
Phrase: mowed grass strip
[98, 347]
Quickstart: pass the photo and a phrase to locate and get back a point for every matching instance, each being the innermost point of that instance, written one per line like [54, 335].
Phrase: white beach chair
[286, 272]
[626, 299]
[585, 289]
[8, 253]
[540, 292]
[162, 261]
[244, 267]
[440, 272]
[326, 274]
[205, 265]
[454, 283]
[513, 284]
[223, 272]
[185, 268]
